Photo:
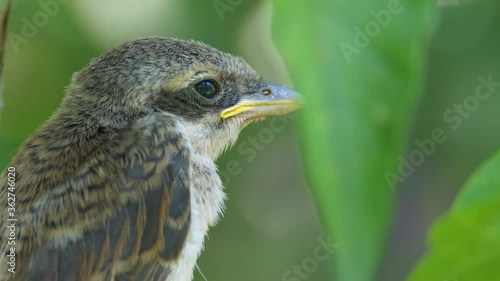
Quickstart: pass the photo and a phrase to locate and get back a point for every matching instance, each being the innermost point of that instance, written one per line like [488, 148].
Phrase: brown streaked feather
[99, 213]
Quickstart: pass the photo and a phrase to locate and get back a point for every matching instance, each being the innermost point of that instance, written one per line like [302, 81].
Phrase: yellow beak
[273, 100]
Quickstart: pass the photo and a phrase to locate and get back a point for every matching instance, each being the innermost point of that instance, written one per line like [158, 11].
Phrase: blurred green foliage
[360, 69]
[362, 94]
[465, 242]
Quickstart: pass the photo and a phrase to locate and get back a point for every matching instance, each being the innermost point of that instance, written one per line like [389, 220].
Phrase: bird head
[213, 95]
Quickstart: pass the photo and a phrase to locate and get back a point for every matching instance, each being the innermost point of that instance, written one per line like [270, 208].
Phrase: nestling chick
[120, 183]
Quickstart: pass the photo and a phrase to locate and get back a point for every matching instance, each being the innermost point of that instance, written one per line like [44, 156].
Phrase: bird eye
[207, 88]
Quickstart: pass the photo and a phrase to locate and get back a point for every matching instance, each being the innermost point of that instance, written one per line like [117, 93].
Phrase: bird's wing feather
[125, 210]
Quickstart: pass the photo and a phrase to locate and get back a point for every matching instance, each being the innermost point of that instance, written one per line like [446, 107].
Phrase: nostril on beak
[267, 92]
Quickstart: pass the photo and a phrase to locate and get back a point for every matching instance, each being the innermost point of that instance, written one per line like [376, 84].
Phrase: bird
[120, 183]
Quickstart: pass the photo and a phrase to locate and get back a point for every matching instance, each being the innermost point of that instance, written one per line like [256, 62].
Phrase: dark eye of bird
[207, 88]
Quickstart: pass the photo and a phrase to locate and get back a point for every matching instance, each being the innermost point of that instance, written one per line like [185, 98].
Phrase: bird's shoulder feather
[127, 205]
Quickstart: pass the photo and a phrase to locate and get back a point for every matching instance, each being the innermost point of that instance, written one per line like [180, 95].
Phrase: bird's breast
[207, 204]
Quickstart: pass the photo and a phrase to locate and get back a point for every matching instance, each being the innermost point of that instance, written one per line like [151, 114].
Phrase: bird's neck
[206, 141]
[66, 138]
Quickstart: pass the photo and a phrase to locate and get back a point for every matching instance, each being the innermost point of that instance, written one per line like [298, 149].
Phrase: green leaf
[357, 108]
[482, 187]
[466, 242]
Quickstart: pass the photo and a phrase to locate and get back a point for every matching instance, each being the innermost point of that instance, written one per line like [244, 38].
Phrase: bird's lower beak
[272, 100]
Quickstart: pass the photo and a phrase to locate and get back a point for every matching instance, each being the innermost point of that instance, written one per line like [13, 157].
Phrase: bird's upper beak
[273, 99]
